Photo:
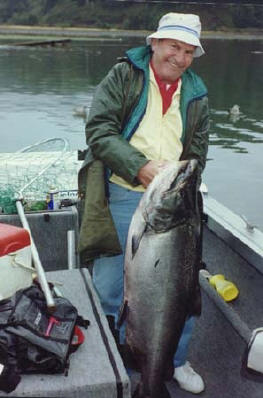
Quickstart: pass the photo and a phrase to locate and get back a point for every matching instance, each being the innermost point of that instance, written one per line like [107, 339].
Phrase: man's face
[171, 58]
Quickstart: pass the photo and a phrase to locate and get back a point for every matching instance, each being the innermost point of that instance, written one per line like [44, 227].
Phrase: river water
[41, 86]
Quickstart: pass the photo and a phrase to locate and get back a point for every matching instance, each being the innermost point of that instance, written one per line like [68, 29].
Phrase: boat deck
[222, 331]
[217, 350]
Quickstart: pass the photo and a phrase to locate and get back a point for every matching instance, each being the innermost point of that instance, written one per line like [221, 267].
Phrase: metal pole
[71, 249]
[36, 260]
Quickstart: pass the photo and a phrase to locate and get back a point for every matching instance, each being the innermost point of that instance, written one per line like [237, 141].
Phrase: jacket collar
[140, 58]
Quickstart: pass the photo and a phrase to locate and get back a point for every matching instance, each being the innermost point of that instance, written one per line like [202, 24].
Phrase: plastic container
[226, 289]
[53, 202]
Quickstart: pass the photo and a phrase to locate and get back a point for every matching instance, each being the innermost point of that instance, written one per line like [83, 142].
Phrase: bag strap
[78, 336]
[77, 339]
[82, 322]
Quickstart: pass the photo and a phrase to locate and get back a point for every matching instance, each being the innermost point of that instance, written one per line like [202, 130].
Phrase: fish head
[171, 198]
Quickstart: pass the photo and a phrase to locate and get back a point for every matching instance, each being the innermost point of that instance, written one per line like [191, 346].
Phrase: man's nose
[181, 58]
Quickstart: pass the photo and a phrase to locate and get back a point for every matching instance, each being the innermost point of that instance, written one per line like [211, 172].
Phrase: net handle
[20, 209]
[36, 260]
[37, 144]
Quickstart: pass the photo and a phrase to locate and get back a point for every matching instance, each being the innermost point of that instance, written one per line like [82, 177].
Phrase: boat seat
[96, 369]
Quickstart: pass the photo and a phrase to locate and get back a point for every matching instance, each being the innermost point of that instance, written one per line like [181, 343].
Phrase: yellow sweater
[157, 136]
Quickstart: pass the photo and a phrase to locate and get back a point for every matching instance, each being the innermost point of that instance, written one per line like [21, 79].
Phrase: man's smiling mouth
[173, 65]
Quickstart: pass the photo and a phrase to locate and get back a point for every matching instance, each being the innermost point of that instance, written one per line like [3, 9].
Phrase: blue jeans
[108, 271]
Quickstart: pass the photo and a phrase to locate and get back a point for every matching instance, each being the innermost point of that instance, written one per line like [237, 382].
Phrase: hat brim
[181, 36]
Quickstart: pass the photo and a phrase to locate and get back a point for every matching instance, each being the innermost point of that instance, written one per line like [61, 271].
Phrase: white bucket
[15, 260]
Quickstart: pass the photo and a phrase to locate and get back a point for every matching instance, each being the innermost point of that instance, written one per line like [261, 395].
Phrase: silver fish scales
[161, 273]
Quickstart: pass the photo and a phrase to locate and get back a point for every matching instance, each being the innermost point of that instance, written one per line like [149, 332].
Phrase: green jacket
[118, 107]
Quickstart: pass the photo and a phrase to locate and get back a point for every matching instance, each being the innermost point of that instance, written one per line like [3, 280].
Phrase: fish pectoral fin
[123, 313]
[135, 244]
[135, 241]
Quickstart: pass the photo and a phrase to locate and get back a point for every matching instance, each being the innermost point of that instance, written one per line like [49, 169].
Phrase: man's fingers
[148, 172]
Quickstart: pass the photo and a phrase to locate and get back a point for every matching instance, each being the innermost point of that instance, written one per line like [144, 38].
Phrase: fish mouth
[172, 199]
[186, 173]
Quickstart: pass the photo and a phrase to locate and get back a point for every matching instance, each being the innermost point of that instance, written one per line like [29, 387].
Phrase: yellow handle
[227, 290]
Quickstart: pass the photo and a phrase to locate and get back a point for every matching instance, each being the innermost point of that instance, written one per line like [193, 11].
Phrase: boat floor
[216, 350]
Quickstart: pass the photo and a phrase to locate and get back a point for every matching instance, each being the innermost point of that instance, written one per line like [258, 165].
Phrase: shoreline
[94, 33]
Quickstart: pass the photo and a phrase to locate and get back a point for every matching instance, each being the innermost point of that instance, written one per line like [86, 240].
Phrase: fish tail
[140, 393]
[169, 372]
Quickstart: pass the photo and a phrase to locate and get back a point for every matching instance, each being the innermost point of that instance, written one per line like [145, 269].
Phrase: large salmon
[161, 273]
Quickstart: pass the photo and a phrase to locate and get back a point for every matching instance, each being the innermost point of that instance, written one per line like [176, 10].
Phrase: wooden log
[51, 43]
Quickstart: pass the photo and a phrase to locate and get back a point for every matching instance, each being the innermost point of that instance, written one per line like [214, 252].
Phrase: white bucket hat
[182, 27]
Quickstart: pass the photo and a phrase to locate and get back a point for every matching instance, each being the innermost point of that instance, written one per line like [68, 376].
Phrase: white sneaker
[188, 379]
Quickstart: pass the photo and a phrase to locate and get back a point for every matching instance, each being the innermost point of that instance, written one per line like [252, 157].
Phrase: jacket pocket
[98, 235]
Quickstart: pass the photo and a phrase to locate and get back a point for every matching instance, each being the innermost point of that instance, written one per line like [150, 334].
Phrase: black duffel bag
[34, 341]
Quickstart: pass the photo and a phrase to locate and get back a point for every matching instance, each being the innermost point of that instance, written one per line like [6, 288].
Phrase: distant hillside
[128, 14]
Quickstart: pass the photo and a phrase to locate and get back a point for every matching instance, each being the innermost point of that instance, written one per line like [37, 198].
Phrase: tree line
[130, 14]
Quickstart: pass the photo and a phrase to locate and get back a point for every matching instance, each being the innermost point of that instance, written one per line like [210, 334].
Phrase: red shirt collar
[166, 94]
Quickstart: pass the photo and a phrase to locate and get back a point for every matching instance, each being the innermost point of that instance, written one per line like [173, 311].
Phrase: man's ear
[154, 43]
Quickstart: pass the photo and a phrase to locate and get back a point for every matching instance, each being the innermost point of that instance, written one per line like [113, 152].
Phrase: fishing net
[32, 172]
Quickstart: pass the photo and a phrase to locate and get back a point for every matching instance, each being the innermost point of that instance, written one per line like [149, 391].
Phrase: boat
[224, 333]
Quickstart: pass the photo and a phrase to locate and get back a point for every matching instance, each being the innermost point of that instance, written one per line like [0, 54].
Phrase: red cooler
[15, 260]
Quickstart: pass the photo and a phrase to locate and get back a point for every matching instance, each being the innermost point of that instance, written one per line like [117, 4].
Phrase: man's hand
[149, 171]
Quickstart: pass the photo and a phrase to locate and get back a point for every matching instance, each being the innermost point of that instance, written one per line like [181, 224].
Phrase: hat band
[179, 27]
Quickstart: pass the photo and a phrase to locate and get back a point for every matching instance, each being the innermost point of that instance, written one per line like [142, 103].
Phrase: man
[149, 110]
